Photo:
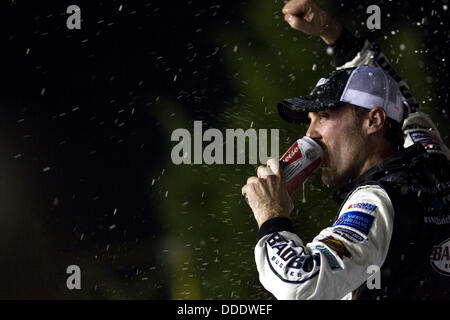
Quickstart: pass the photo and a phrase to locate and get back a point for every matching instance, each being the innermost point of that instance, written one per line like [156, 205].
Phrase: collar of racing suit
[405, 159]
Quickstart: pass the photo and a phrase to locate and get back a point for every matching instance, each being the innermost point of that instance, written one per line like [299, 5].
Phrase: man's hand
[308, 17]
[267, 194]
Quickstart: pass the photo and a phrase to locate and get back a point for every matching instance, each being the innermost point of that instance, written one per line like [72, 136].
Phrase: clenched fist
[308, 17]
[267, 194]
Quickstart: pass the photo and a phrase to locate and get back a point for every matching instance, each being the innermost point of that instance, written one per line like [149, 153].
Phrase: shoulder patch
[348, 234]
[357, 220]
[334, 264]
[337, 246]
[362, 205]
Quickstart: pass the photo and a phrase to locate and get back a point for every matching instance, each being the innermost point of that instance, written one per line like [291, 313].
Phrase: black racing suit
[417, 265]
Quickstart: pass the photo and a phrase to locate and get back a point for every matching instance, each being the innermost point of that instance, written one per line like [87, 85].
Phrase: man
[394, 210]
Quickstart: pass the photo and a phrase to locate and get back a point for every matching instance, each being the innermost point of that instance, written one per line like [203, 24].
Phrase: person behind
[394, 211]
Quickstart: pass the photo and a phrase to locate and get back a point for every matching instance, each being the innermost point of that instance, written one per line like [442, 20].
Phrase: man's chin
[327, 178]
[333, 180]
[325, 175]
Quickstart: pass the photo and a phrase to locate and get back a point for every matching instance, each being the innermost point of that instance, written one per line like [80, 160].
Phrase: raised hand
[306, 16]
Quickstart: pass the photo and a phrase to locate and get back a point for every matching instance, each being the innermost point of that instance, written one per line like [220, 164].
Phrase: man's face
[340, 134]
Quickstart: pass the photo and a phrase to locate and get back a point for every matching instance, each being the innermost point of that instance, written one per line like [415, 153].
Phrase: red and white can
[300, 161]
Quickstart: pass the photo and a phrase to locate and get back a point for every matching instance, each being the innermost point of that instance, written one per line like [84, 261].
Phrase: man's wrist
[275, 225]
[332, 33]
[346, 47]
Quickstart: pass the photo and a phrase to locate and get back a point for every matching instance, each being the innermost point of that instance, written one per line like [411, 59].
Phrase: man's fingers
[244, 190]
[296, 22]
[296, 7]
[274, 165]
[252, 180]
[264, 171]
[309, 16]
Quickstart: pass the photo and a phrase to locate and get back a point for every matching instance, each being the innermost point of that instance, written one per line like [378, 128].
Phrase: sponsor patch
[357, 220]
[418, 136]
[337, 246]
[349, 234]
[440, 258]
[334, 264]
[362, 205]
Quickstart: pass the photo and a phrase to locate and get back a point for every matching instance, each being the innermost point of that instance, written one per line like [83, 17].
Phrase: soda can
[300, 161]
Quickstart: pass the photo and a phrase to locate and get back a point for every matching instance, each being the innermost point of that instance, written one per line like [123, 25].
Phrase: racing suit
[395, 218]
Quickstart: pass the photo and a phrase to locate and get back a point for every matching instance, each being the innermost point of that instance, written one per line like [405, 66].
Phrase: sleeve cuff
[275, 225]
[346, 47]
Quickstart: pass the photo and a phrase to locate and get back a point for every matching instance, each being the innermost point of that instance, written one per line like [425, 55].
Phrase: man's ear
[375, 120]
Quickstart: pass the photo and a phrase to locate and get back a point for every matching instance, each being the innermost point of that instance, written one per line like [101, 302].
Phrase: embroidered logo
[440, 258]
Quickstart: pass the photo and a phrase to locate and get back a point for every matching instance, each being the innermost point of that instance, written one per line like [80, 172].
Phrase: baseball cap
[363, 86]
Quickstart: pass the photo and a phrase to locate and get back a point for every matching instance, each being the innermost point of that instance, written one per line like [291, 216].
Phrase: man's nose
[312, 131]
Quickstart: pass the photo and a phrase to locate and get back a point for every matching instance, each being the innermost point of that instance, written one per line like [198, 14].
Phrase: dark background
[85, 123]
